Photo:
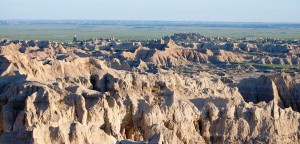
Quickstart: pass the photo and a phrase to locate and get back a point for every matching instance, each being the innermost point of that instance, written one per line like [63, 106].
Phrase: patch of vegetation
[270, 66]
[65, 32]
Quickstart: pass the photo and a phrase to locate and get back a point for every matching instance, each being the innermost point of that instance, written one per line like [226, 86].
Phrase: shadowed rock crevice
[258, 90]
[10, 112]
[103, 83]
[277, 88]
[94, 79]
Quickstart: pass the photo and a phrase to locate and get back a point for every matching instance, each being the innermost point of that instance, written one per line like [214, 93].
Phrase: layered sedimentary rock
[175, 55]
[56, 93]
[280, 88]
[79, 99]
[257, 90]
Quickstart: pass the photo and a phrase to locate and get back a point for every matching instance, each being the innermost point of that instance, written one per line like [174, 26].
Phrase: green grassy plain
[65, 32]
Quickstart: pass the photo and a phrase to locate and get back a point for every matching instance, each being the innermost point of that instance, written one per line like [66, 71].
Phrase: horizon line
[249, 22]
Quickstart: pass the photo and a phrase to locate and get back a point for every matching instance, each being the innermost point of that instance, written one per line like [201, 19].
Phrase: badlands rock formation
[53, 93]
[168, 54]
[281, 88]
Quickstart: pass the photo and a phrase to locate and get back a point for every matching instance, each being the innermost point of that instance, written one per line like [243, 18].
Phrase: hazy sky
[185, 10]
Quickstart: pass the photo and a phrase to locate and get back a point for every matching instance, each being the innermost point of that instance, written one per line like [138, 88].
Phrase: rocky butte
[186, 88]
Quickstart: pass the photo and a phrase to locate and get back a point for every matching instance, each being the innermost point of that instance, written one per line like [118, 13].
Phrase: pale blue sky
[184, 10]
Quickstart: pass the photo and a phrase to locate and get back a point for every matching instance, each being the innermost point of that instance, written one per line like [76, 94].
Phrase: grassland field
[65, 32]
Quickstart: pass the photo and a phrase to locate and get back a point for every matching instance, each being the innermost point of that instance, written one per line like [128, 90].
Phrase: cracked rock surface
[82, 100]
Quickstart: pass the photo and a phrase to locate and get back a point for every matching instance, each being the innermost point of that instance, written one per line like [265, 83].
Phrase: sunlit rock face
[56, 94]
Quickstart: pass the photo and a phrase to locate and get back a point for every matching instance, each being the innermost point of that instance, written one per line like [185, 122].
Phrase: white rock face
[83, 101]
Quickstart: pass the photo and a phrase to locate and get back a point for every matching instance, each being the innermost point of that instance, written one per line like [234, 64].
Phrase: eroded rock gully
[81, 100]
[280, 88]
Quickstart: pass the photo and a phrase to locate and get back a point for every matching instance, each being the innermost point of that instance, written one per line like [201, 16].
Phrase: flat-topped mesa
[188, 37]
